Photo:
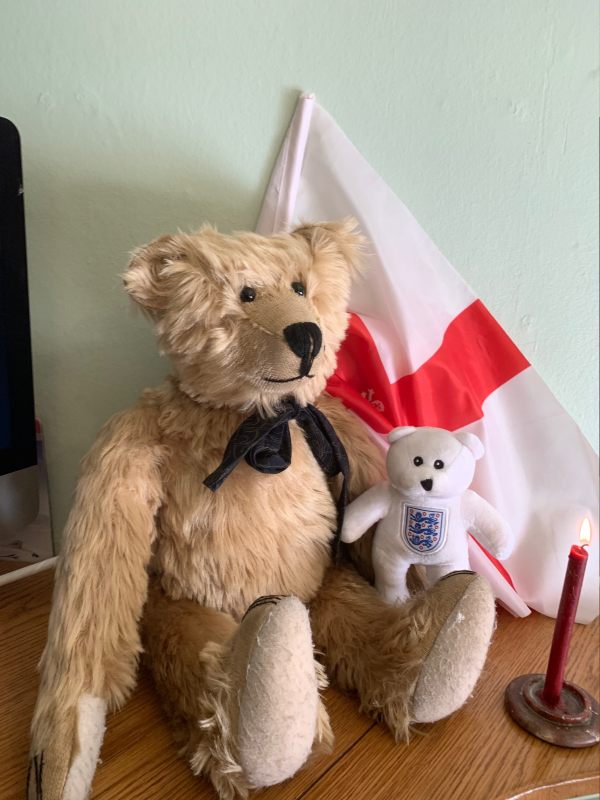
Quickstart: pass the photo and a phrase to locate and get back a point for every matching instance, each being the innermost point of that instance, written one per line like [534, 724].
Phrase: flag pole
[297, 145]
[279, 205]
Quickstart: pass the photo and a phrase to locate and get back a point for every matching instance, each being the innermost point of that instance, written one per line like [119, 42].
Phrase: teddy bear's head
[246, 319]
[432, 462]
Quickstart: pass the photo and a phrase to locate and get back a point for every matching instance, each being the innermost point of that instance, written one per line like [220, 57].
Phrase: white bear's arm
[487, 525]
[366, 510]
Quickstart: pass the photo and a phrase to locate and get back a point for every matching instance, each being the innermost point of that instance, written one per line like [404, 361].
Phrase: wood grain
[7, 565]
[479, 753]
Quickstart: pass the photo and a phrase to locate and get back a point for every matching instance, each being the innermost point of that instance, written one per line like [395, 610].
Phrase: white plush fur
[429, 469]
[365, 511]
[91, 715]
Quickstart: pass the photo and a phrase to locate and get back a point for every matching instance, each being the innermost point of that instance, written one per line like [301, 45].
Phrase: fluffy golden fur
[222, 349]
[141, 506]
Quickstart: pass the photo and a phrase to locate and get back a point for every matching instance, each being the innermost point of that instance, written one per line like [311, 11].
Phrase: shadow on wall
[92, 353]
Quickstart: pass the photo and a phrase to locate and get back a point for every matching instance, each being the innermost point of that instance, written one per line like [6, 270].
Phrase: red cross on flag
[422, 349]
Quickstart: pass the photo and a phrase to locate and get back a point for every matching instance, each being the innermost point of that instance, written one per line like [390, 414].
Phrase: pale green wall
[141, 117]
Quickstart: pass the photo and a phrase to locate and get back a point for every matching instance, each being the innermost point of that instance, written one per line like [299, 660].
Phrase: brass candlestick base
[572, 723]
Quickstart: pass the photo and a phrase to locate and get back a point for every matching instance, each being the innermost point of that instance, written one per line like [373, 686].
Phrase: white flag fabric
[421, 349]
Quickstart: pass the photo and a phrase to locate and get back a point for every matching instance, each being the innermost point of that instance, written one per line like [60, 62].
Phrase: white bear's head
[432, 462]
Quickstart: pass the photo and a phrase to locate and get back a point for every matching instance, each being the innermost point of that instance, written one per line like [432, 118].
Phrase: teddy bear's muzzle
[304, 340]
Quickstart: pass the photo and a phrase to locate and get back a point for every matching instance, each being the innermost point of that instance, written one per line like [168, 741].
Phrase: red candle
[565, 618]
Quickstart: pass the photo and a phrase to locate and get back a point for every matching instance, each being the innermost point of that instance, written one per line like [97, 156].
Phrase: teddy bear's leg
[415, 662]
[243, 699]
[390, 576]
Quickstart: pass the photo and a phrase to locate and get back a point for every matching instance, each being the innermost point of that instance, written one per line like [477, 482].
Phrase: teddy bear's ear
[472, 443]
[343, 236]
[143, 277]
[400, 433]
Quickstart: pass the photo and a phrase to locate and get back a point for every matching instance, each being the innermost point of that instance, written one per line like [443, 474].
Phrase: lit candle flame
[585, 533]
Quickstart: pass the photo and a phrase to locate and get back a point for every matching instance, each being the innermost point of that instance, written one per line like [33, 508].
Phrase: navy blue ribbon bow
[266, 445]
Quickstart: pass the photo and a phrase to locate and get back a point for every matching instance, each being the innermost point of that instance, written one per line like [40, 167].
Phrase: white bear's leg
[390, 576]
[434, 572]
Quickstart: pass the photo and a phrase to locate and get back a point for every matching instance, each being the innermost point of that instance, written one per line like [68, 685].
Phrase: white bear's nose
[427, 484]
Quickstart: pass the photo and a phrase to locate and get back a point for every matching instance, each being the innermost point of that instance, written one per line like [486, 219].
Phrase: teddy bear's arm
[487, 525]
[367, 462]
[100, 588]
[367, 468]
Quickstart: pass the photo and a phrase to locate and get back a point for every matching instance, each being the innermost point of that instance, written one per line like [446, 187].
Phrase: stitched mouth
[287, 380]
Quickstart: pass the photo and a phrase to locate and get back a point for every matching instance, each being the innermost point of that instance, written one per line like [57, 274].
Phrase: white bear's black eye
[299, 288]
[438, 464]
[417, 461]
[248, 294]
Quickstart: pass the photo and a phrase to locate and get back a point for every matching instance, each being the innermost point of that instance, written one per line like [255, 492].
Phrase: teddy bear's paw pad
[277, 690]
[64, 769]
[458, 652]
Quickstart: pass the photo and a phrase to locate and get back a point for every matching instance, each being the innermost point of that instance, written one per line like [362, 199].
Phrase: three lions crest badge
[424, 529]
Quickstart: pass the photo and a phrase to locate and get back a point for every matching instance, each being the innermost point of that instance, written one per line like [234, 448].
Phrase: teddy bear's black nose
[304, 340]
[427, 484]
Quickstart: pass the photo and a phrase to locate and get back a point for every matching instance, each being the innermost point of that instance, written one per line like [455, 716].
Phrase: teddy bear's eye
[299, 288]
[438, 464]
[248, 294]
[417, 461]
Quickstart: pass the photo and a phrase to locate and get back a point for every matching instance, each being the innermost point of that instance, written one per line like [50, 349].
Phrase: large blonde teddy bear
[425, 509]
[212, 508]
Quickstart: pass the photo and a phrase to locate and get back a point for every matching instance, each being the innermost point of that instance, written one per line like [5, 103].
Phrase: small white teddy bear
[426, 509]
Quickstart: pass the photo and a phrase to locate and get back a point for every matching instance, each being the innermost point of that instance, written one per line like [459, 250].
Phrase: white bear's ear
[472, 443]
[400, 433]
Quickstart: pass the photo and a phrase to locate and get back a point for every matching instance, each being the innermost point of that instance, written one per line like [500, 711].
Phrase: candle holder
[547, 706]
[572, 722]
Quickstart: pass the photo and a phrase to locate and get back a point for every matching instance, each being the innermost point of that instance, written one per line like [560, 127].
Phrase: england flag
[422, 349]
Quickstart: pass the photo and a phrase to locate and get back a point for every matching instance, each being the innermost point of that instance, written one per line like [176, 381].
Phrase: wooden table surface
[478, 753]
